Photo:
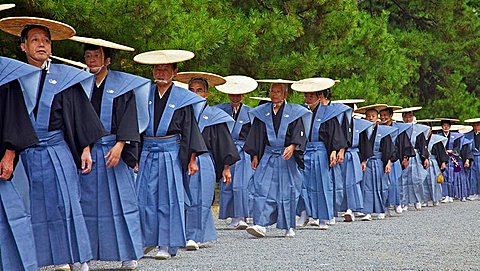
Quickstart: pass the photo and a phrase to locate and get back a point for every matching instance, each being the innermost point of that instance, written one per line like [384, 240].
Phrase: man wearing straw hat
[66, 125]
[276, 142]
[109, 199]
[215, 126]
[379, 166]
[234, 198]
[459, 153]
[438, 159]
[17, 239]
[404, 150]
[325, 140]
[355, 163]
[414, 175]
[474, 174]
[171, 144]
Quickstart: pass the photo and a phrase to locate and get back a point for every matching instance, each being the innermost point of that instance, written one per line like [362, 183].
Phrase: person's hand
[288, 152]
[333, 158]
[467, 163]
[254, 162]
[443, 166]
[364, 166]
[6, 165]
[388, 167]
[192, 165]
[135, 169]
[405, 163]
[341, 156]
[86, 160]
[114, 154]
[425, 164]
[227, 175]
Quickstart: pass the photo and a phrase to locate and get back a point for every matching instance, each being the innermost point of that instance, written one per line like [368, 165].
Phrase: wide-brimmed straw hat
[265, 99]
[408, 109]
[238, 84]
[163, 57]
[313, 84]
[15, 26]
[349, 101]
[6, 6]
[276, 81]
[377, 107]
[102, 43]
[212, 79]
[448, 120]
[475, 120]
[71, 62]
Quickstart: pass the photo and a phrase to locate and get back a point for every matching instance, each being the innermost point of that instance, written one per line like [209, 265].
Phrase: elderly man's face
[164, 73]
[37, 46]
[407, 117]
[199, 89]
[95, 60]
[371, 115]
[385, 117]
[277, 93]
[310, 98]
[476, 126]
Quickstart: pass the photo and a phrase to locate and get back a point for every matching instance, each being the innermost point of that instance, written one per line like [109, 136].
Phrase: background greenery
[400, 52]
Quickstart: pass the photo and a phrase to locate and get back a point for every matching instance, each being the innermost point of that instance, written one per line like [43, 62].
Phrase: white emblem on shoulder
[110, 91]
[319, 119]
[379, 135]
[286, 115]
[171, 105]
[205, 117]
[240, 121]
[301, 133]
[52, 81]
[356, 131]
[268, 114]
[149, 102]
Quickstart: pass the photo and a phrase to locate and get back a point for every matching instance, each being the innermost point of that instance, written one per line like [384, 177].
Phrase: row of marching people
[111, 167]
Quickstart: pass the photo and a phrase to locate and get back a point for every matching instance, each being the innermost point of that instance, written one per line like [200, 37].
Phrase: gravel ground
[446, 237]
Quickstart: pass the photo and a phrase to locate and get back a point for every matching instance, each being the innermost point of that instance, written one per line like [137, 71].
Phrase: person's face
[164, 73]
[277, 93]
[446, 127]
[385, 117]
[235, 98]
[310, 98]
[371, 115]
[95, 60]
[37, 46]
[476, 127]
[323, 100]
[407, 117]
[199, 89]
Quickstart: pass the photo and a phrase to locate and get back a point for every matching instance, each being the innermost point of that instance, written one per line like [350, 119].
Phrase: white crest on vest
[110, 91]
[205, 117]
[52, 81]
[286, 115]
[172, 105]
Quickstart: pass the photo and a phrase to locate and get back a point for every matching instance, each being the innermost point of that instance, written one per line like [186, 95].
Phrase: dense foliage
[402, 52]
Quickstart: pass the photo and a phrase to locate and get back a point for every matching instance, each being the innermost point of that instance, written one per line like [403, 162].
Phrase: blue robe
[201, 186]
[58, 224]
[451, 175]
[318, 181]
[109, 200]
[375, 181]
[17, 239]
[352, 170]
[395, 192]
[277, 182]
[432, 189]
[474, 171]
[461, 183]
[235, 199]
[414, 175]
[160, 180]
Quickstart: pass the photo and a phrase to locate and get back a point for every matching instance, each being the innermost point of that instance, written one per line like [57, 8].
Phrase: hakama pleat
[375, 188]
[474, 176]
[394, 184]
[353, 177]
[110, 208]
[412, 181]
[432, 189]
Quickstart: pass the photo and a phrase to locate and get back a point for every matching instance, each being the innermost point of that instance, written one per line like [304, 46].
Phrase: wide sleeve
[347, 129]
[220, 144]
[14, 120]
[388, 150]
[404, 146]
[440, 153]
[256, 140]
[184, 123]
[244, 131]
[81, 125]
[365, 147]
[125, 126]
[422, 147]
[333, 135]
[466, 153]
[296, 135]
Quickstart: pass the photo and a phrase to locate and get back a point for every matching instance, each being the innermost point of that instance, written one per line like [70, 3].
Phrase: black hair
[174, 66]
[107, 52]
[199, 80]
[27, 28]
[442, 122]
[389, 110]
[403, 114]
[327, 93]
